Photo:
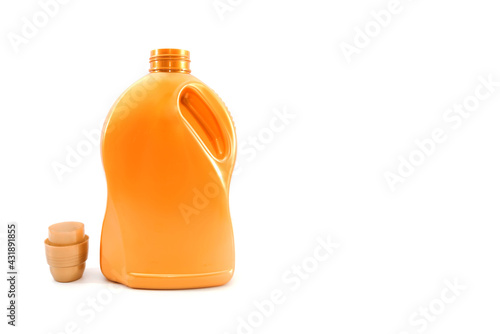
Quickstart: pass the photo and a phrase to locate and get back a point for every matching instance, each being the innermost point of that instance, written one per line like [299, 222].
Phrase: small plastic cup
[66, 250]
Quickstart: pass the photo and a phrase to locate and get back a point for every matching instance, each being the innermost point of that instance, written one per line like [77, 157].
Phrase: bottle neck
[169, 60]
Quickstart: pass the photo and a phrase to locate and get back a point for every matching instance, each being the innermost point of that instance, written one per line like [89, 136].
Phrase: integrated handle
[209, 119]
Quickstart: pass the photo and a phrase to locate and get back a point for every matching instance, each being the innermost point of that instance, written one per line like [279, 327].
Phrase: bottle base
[175, 281]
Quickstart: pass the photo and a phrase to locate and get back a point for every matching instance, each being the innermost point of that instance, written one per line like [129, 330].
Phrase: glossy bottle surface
[168, 150]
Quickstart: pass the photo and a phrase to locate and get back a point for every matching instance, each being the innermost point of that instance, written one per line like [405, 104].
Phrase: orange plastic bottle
[168, 150]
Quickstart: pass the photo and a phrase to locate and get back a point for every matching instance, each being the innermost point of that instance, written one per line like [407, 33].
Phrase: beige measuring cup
[66, 250]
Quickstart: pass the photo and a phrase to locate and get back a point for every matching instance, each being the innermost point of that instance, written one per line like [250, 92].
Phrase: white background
[322, 175]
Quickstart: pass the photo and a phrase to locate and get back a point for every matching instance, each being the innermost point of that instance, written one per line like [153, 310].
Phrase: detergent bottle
[168, 149]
